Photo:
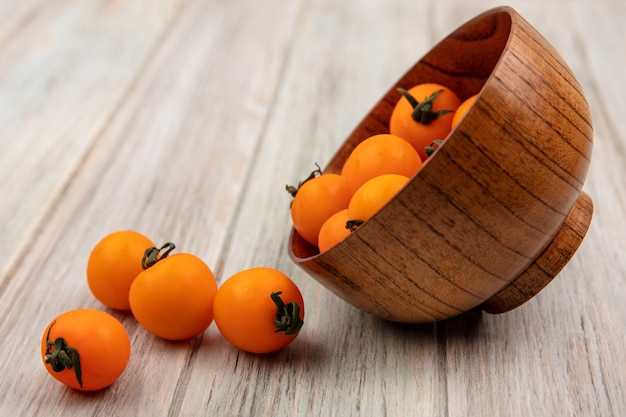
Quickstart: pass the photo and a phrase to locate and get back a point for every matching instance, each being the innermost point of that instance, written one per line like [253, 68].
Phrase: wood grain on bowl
[490, 203]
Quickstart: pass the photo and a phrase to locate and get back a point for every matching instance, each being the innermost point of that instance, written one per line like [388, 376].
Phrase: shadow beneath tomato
[87, 395]
[85, 398]
[302, 351]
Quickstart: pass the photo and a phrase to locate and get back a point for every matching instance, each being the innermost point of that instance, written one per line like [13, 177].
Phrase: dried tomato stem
[287, 319]
[423, 111]
[154, 255]
[430, 149]
[293, 190]
[60, 356]
[352, 225]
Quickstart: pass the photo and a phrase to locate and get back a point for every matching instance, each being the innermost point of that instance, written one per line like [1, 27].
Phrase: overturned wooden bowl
[494, 215]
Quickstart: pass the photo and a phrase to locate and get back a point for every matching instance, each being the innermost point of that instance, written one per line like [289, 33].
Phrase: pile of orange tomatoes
[173, 296]
[327, 207]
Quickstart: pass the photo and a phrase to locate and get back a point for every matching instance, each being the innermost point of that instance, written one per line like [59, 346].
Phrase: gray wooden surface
[185, 119]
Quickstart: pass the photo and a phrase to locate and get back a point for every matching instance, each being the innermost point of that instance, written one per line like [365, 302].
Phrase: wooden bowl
[498, 210]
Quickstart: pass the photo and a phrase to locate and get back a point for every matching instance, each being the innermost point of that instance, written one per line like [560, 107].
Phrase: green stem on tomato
[423, 111]
[154, 255]
[60, 356]
[287, 319]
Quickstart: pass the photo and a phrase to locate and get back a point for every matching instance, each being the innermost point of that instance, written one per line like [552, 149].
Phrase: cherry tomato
[259, 310]
[85, 349]
[373, 195]
[424, 114]
[333, 230]
[173, 297]
[459, 114]
[377, 155]
[315, 201]
[112, 266]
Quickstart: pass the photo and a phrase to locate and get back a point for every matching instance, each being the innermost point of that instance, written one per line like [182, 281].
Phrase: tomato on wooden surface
[334, 230]
[378, 155]
[315, 200]
[373, 195]
[112, 266]
[259, 310]
[85, 349]
[173, 297]
[423, 114]
[459, 114]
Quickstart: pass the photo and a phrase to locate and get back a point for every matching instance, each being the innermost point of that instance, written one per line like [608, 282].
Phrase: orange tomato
[316, 200]
[462, 110]
[378, 155]
[423, 115]
[373, 195]
[112, 266]
[259, 310]
[173, 297]
[85, 349]
[333, 230]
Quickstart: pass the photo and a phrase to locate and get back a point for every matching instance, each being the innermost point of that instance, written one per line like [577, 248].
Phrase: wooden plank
[196, 144]
[171, 163]
[15, 15]
[344, 362]
[63, 69]
[601, 282]
[551, 356]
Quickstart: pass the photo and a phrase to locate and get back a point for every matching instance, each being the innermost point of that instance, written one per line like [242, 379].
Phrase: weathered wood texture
[185, 119]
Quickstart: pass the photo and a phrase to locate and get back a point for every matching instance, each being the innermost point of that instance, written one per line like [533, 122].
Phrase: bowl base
[549, 263]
